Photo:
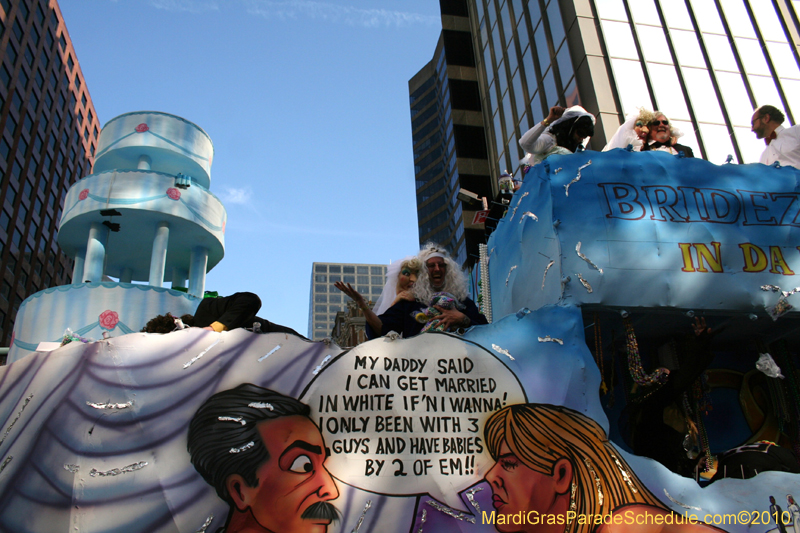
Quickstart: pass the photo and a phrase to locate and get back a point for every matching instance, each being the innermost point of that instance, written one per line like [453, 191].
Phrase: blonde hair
[539, 435]
[646, 116]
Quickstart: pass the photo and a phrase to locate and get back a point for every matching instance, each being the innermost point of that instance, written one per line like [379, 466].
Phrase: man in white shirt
[783, 144]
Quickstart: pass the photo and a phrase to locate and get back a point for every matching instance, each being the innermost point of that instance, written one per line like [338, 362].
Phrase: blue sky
[307, 105]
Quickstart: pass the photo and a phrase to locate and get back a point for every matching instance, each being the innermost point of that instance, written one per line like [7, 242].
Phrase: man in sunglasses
[663, 138]
[783, 144]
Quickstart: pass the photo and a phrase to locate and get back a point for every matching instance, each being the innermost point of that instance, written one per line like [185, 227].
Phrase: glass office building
[48, 134]
[326, 300]
[705, 63]
[449, 138]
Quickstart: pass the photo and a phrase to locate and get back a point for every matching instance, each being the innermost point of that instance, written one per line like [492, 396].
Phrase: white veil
[389, 292]
[625, 135]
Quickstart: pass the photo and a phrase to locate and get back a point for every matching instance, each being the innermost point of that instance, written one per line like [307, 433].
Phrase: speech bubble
[406, 417]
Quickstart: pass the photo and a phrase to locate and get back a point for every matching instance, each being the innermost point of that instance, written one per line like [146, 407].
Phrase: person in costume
[265, 458]
[782, 144]
[794, 512]
[664, 137]
[439, 273]
[400, 278]
[776, 514]
[222, 313]
[562, 132]
[633, 132]
[555, 465]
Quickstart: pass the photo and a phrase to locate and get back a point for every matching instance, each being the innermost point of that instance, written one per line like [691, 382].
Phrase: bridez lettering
[665, 203]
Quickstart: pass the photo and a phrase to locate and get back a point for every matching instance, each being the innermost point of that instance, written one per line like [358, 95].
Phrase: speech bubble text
[406, 417]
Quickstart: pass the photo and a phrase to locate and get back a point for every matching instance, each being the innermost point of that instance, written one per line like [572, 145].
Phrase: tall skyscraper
[449, 138]
[705, 63]
[49, 133]
[326, 300]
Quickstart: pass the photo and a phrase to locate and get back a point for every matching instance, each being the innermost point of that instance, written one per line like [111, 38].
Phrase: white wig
[389, 292]
[455, 281]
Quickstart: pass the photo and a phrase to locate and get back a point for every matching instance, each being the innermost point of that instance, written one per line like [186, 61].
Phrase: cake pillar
[178, 277]
[144, 162]
[95, 253]
[127, 275]
[77, 269]
[197, 271]
[159, 256]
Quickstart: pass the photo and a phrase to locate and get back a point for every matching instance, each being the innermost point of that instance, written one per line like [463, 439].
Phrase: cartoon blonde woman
[557, 468]
[794, 512]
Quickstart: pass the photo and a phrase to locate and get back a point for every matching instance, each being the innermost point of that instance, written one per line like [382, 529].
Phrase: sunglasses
[657, 122]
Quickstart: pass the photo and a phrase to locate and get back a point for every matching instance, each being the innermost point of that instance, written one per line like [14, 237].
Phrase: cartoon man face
[265, 458]
[293, 486]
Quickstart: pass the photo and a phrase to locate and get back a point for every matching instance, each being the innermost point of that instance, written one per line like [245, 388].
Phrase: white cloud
[328, 12]
[233, 195]
[192, 6]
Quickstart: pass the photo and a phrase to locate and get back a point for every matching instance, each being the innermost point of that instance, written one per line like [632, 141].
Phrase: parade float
[596, 251]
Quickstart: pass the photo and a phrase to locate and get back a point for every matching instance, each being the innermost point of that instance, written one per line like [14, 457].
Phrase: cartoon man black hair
[265, 457]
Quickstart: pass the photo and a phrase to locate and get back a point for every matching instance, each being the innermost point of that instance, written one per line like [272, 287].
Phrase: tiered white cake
[144, 216]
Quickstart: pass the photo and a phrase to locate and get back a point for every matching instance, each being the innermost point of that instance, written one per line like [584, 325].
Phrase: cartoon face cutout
[293, 484]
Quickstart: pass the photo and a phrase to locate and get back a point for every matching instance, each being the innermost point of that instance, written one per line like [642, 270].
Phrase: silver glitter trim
[450, 512]
[773, 288]
[25, 403]
[528, 214]
[596, 482]
[241, 449]
[551, 263]
[584, 283]
[205, 525]
[72, 468]
[470, 494]
[548, 338]
[625, 476]
[509, 274]
[272, 351]
[261, 405]
[323, 363]
[578, 251]
[238, 419]
[676, 502]
[118, 471]
[498, 349]
[109, 405]
[576, 178]
[423, 520]
[361, 518]
[789, 293]
[5, 463]
[514, 212]
[556, 171]
[201, 354]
